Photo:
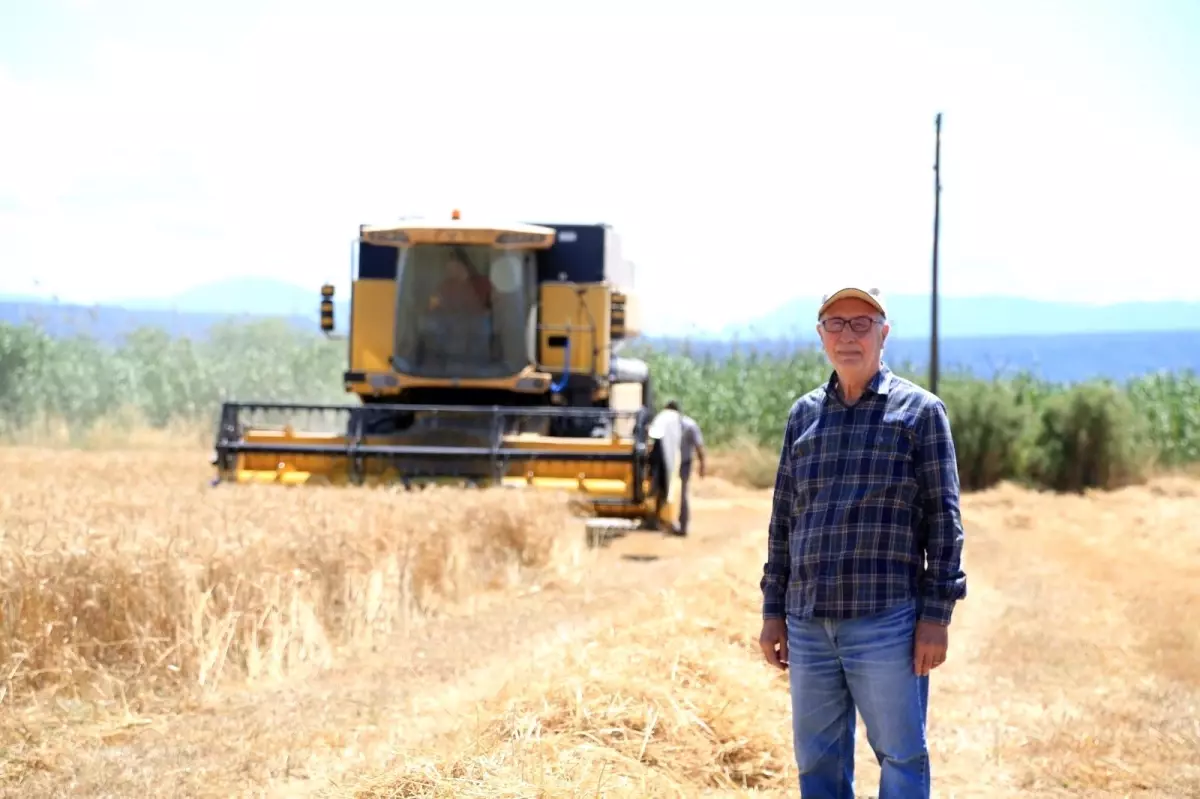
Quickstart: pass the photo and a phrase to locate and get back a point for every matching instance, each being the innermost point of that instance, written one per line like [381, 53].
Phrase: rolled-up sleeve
[944, 582]
[775, 570]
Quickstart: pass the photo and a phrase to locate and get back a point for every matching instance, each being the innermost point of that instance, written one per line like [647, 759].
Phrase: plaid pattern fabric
[864, 495]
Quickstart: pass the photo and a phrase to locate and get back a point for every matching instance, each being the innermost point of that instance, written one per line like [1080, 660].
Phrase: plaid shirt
[862, 492]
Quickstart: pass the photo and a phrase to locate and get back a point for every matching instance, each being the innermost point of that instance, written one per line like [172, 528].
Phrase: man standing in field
[867, 491]
[691, 442]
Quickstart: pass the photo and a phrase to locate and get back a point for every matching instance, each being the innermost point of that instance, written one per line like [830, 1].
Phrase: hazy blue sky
[147, 147]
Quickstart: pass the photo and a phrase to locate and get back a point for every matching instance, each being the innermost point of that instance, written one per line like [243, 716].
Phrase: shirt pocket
[814, 465]
[890, 449]
[892, 438]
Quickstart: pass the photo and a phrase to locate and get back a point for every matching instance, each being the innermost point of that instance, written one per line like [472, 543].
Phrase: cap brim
[847, 293]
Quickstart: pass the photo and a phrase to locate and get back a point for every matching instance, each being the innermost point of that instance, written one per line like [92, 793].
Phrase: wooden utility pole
[937, 207]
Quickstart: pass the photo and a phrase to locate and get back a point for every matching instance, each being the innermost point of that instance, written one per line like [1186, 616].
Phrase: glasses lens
[859, 324]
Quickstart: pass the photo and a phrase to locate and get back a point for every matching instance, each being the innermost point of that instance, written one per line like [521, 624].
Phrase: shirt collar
[880, 384]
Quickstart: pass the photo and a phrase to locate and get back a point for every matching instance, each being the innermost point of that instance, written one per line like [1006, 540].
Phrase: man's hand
[773, 641]
[929, 650]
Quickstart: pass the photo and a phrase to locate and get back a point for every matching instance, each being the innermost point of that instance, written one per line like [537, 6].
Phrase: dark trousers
[685, 473]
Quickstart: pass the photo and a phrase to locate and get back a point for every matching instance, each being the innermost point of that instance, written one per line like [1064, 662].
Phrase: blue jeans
[836, 666]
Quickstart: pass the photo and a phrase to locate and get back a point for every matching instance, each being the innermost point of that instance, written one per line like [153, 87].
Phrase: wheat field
[162, 637]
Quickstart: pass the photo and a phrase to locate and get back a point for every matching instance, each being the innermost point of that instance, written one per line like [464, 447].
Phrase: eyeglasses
[859, 324]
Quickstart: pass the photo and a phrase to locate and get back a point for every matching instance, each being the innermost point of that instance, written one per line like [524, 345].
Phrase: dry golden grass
[125, 573]
[290, 735]
[1085, 639]
[1074, 671]
[745, 463]
[123, 430]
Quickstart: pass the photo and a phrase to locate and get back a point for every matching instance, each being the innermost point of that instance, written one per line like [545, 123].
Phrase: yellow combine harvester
[485, 354]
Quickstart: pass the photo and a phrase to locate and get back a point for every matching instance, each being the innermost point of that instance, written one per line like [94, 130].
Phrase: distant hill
[191, 313]
[109, 324]
[1061, 341]
[258, 296]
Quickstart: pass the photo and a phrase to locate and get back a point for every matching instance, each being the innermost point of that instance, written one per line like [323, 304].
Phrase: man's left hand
[929, 651]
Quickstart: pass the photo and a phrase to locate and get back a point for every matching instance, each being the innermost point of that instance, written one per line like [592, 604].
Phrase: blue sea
[1066, 358]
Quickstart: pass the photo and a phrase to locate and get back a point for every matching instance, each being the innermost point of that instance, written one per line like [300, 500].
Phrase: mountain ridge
[792, 320]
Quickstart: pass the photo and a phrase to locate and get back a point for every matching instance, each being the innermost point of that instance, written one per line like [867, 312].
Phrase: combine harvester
[483, 354]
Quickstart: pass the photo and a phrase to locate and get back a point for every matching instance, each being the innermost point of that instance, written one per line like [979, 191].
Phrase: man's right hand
[773, 641]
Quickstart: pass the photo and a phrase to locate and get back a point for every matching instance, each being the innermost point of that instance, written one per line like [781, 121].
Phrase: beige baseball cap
[872, 295]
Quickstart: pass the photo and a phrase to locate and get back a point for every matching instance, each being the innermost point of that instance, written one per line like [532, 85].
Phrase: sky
[744, 158]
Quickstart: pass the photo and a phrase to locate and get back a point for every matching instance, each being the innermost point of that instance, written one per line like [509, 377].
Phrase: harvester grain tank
[484, 353]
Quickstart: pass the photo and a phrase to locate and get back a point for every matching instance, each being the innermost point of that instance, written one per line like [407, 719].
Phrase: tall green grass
[79, 382]
[1065, 438]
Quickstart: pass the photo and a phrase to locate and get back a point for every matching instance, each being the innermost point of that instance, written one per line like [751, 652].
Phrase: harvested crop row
[1070, 674]
[668, 701]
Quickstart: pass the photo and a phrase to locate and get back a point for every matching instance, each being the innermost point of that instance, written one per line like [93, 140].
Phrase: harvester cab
[479, 353]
